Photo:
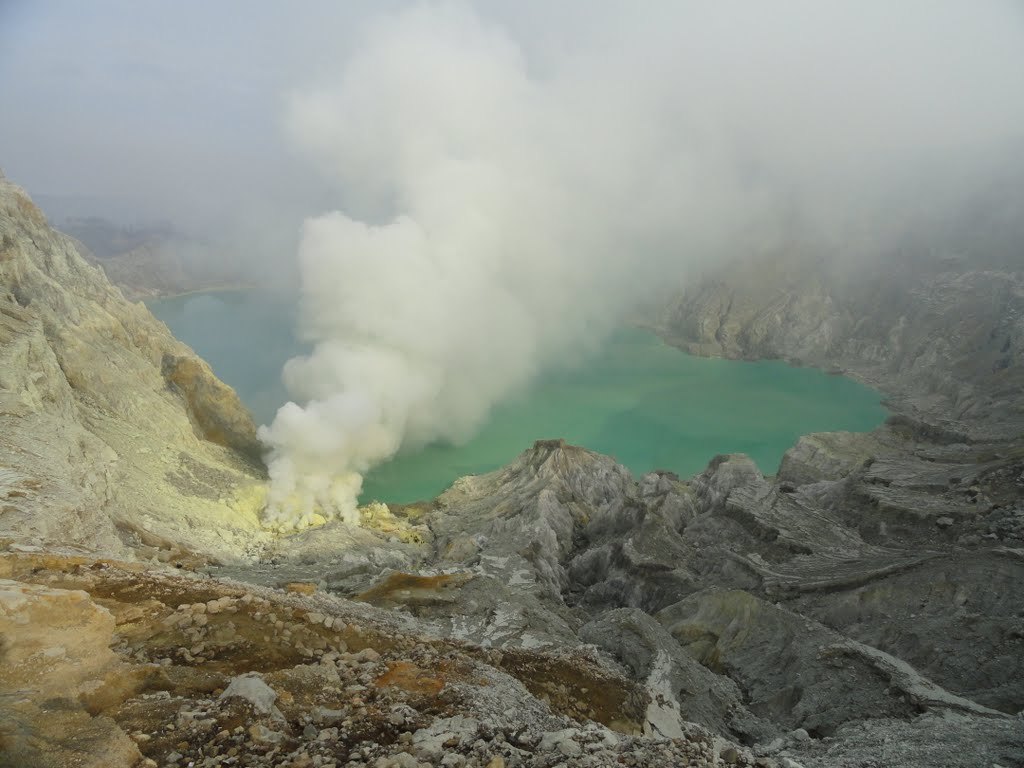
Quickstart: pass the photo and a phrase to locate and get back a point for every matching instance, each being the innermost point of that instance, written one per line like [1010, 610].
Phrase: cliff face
[945, 339]
[112, 433]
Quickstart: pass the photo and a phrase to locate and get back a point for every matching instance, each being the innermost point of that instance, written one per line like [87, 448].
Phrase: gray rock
[253, 689]
[563, 742]
[653, 656]
[940, 334]
[797, 672]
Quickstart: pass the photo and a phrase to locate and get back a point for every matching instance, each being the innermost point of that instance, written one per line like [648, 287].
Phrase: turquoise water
[637, 399]
[245, 336]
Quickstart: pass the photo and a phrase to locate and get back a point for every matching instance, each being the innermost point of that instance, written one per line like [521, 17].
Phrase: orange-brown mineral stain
[410, 678]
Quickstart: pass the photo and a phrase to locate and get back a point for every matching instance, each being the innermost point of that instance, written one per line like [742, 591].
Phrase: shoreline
[227, 288]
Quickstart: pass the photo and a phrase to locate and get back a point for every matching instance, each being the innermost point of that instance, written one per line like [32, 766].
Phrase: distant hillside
[112, 432]
[154, 259]
[105, 239]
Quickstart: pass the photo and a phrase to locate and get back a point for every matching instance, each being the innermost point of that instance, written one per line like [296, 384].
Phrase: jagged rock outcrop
[112, 433]
[787, 603]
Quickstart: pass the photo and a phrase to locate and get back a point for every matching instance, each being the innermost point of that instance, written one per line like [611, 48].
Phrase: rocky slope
[113, 434]
[154, 668]
[938, 336]
[861, 607]
[816, 617]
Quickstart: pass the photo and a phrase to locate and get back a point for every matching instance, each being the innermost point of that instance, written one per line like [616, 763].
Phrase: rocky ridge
[861, 607]
[113, 434]
[757, 608]
[940, 337]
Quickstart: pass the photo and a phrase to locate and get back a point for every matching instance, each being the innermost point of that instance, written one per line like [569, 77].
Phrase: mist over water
[635, 398]
[508, 203]
[650, 407]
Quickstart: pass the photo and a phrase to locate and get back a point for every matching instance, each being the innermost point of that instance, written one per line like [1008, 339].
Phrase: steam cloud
[510, 198]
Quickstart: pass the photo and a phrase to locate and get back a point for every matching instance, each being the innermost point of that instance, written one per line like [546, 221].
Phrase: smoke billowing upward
[514, 189]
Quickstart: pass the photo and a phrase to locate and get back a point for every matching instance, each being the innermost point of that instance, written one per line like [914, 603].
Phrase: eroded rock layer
[941, 337]
[113, 434]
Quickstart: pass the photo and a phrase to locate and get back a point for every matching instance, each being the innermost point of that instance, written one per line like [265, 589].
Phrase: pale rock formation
[112, 433]
[58, 670]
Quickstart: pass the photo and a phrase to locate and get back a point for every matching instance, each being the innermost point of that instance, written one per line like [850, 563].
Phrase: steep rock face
[106, 420]
[827, 456]
[948, 339]
[697, 693]
[797, 672]
[212, 405]
[759, 311]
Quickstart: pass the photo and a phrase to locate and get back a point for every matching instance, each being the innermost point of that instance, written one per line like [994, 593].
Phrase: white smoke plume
[509, 200]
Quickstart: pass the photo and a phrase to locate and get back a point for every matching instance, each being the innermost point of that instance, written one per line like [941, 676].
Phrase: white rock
[252, 688]
[561, 741]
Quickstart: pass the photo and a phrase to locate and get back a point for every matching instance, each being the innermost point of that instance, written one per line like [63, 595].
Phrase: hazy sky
[163, 103]
[179, 106]
[172, 106]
